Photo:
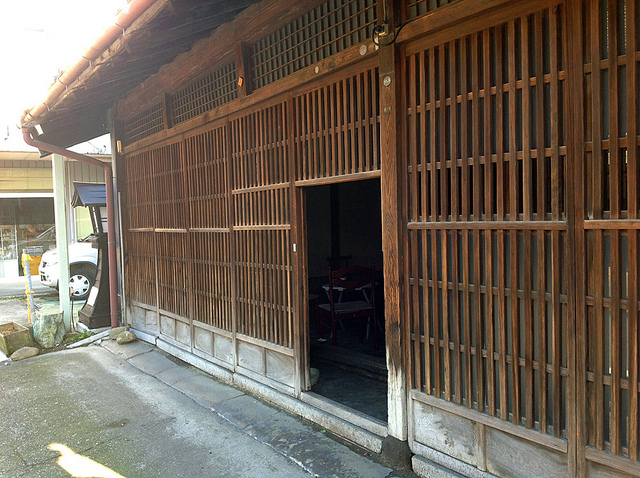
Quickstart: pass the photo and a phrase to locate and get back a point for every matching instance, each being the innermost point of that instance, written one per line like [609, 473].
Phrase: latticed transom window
[208, 93]
[144, 124]
[318, 34]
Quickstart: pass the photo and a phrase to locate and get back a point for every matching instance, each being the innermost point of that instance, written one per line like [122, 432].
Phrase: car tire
[80, 282]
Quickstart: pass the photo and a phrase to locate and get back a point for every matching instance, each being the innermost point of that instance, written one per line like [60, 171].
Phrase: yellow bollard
[27, 281]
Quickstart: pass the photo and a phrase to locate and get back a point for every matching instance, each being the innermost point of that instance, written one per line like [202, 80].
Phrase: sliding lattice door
[487, 281]
[261, 204]
[608, 300]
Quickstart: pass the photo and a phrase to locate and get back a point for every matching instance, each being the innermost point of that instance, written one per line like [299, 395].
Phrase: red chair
[350, 282]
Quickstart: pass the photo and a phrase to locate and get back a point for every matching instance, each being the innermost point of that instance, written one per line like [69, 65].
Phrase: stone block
[48, 327]
[113, 333]
[151, 318]
[183, 333]
[25, 353]
[251, 357]
[203, 340]
[508, 456]
[126, 337]
[280, 367]
[445, 432]
[168, 326]
[223, 348]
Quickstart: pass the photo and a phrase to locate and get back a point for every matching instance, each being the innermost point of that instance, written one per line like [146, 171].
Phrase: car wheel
[80, 283]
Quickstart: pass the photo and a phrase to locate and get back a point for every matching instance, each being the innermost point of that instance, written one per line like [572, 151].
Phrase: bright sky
[39, 37]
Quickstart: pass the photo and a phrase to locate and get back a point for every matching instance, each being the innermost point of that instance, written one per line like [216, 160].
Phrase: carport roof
[160, 33]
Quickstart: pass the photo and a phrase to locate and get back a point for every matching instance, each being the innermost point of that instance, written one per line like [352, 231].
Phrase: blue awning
[89, 194]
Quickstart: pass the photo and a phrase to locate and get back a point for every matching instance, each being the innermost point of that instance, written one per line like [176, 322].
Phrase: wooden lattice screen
[318, 34]
[140, 267]
[140, 271]
[337, 128]
[174, 275]
[488, 289]
[208, 194]
[140, 192]
[261, 203]
[171, 228]
[609, 300]
[168, 184]
[145, 124]
[208, 93]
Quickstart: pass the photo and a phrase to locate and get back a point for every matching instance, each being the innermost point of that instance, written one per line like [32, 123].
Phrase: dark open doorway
[344, 228]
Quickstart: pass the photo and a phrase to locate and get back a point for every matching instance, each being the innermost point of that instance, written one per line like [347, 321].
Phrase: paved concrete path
[142, 413]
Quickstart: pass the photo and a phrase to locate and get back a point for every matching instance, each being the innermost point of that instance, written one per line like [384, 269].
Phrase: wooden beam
[244, 69]
[576, 311]
[393, 220]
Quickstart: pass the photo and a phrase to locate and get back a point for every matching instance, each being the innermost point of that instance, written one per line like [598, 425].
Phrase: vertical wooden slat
[633, 345]
[527, 180]
[477, 295]
[345, 128]
[307, 162]
[557, 336]
[488, 216]
[598, 353]
[540, 213]
[332, 160]
[357, 98]
[632, 108]
[632, 202]
[513, 187]
[366, 132]
[466, 256]
[501, 191]
[457, 368]
[417, 317]
[555, 192]
[353, 139]
[413, 143]
[554, 105]
[615, 425]
[375, 119]
[414, 235]
[444, 241]
[424, 134]
[435, 266]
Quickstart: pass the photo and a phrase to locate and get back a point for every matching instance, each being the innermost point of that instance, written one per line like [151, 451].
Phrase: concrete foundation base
[396, 453]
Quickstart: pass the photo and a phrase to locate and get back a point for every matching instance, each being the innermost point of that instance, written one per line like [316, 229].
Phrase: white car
[83, 260]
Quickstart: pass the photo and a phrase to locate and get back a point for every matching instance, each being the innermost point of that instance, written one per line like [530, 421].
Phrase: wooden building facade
[505, 136]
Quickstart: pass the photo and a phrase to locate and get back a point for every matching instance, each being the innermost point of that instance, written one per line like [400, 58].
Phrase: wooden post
[392, 220]
[576, 313]
[244, 69]
[62, 241]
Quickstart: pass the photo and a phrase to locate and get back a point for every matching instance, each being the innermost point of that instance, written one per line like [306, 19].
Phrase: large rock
[48, 327]
[113, 333]
[24, 353]
[126, 337]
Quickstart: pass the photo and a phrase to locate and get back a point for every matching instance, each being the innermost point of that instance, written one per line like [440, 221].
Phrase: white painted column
[62, 237]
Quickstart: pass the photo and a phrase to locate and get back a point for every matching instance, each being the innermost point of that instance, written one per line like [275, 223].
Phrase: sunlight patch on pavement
[80, 466]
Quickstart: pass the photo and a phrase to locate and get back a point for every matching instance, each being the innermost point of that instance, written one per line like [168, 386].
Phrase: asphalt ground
[131, 410]
[142, 413]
